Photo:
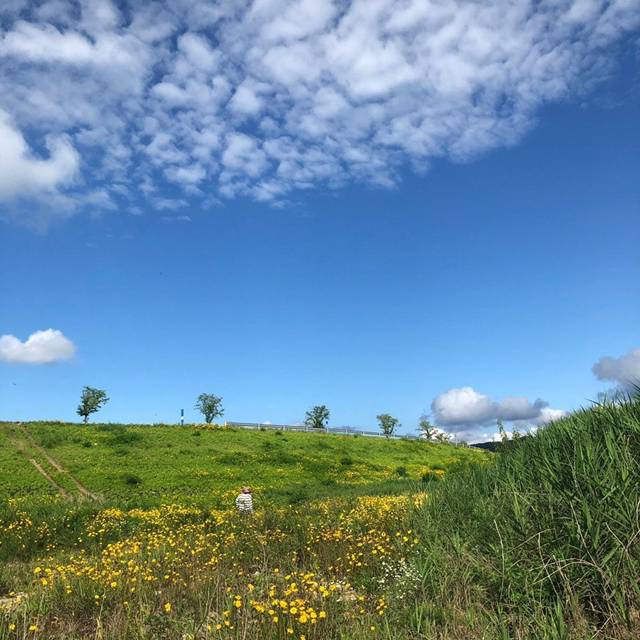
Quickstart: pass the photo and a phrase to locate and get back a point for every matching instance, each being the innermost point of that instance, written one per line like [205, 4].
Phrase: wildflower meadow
[539, 540]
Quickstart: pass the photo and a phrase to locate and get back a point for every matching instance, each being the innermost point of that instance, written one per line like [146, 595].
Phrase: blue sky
[377, 237]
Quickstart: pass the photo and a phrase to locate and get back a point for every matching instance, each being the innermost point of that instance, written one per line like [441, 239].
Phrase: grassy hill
[145, 465]
[118, 534]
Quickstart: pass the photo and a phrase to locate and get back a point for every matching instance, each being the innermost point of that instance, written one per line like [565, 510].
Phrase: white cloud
[266, 97]
[22, 173]
[245, 100]
[99, 15]
[464, 411]
[243, 155]
[624, 370]
[198, 51]
[299, 19]
[186, 175]
[519, 408]
[466, 406]
[549, 415]
[41, 347]
[46, 44]
[462, 406]
[162, 204]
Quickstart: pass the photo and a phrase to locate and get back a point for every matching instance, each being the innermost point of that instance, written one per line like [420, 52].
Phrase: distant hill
[487, 446]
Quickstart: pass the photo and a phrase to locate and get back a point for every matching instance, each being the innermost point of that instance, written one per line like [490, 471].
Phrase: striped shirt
[244, 502]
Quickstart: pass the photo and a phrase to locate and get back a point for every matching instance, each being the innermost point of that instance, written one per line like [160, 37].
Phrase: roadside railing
[344, 431]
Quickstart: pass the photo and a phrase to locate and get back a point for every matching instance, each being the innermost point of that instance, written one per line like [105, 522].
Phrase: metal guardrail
[344, 431]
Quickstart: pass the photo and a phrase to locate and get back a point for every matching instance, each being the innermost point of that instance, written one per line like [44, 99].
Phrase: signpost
[182, 417]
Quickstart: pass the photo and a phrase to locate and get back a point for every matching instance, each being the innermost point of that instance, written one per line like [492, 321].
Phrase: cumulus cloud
[624, 370]
[246, 100]
[467, 406]
[259, 99]
[464, 412]
[22, 173]
[41, 347]
[463, 406]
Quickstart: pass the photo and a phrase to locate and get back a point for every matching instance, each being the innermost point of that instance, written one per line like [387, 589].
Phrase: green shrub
[295, 495]
[124, 436]
[402, 471]
[51, 439]
[231, 459]
[281, 458]
[131, 479]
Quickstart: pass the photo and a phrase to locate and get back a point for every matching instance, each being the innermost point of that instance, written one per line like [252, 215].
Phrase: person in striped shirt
[244, 501]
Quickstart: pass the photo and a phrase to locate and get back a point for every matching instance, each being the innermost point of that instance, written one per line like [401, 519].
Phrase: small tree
[388, 424]
[209, 406]
[442, 437]
[427, 430]
[90, 401]
[317, 417]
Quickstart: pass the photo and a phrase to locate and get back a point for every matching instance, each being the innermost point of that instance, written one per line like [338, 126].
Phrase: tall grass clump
[545, 539]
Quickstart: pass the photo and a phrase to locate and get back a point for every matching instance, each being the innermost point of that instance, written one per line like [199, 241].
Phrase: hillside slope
[148, 465]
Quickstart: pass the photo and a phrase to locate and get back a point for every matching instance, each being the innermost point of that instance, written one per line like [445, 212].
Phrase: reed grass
[545, 538]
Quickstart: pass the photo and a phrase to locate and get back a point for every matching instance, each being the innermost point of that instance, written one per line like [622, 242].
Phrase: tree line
[210, 406]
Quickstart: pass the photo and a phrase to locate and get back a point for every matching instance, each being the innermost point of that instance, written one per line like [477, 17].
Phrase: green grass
[149, 465]
[545, 540]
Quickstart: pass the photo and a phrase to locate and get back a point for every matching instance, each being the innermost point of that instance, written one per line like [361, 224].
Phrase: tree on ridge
[317, 417]
[388, 424]
[91, 400]
[427, 430]
[209, 406]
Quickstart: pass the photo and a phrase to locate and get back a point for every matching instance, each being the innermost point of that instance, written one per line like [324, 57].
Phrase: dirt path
[22, 447]
[25, 443]
[57, 466]
[61, 490]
